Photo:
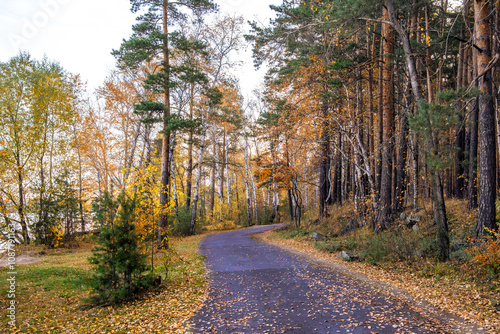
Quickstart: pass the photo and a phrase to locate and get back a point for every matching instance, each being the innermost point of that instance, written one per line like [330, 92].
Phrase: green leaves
[36, 109]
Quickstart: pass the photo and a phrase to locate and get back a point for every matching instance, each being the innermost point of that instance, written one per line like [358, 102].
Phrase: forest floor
[51, 293]
[456, 287]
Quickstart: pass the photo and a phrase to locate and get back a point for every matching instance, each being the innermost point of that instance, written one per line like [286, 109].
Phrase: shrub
[376, 250]
[486, 253]
[292, 233]
[119, 260]
[330, 248]
[402, 245]
[182, 222]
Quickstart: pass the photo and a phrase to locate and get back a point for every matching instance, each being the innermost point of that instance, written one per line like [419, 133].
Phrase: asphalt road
[258, 288]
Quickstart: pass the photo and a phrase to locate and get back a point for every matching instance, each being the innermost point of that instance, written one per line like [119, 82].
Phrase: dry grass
[404, 258]
[50, 293]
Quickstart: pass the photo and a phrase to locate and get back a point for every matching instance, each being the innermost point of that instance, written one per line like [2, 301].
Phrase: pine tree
[119, 261]
[151, 42]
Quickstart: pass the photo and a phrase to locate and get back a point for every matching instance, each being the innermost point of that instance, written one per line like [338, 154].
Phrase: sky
[80, 34]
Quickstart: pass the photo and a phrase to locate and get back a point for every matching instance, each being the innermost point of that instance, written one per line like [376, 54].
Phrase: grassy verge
[50, 293]
[405, 258]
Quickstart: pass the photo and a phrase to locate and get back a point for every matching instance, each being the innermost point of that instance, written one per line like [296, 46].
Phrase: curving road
[258, 288]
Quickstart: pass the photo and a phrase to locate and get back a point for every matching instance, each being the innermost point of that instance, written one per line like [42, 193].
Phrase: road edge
[460, 324]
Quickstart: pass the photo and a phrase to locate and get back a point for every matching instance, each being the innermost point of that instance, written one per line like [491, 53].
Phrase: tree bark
[20, 207]
[165, 150]
[80, 183]
[250, 178]
[384, 218]
[474, 143]
[443, 241]
[487, 145]
[403, 155]
[380, 117]
[212, 186]
[324, 165]
[196, 195]
[189, 175]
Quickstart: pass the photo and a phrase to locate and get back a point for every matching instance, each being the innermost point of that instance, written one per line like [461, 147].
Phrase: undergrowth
[474, 260]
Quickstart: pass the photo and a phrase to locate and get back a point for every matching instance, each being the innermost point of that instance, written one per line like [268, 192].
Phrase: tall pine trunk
[487, 145]
[384, 218]
[324, 165]
[165, 149]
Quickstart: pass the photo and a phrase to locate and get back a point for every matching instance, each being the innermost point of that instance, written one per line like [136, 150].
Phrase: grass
[50, 294]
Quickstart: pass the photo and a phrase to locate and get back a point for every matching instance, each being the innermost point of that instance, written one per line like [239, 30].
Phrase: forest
[379, 104]
[381, 107]
[374, 116]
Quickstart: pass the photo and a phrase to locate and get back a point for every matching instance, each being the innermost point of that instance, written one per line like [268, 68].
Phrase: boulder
[318, 236]
[346, 256]
[415, 228]
[411, 220]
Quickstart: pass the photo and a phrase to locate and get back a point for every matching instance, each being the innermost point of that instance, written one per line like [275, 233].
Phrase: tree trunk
[212, 186]
[460, 131]
[220, 187]
[384, 218]
[189, 175]
[80, 183]
[196, 195]
[443, 241]
[165, 150]
[369, 108]
[403, 155]
[249, 203]
[487, 156]
[229, 184]
[380, 117]
[223, 167]
[474, 143]
[172, 173]
[249, 173]
[20, 207]
[460, 156]
[324, 165]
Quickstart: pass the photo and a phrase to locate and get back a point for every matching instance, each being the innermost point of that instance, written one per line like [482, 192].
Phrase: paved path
[258, 288]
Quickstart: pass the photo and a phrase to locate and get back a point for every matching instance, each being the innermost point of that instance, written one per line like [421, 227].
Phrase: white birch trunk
[278, 204]
[196, 195]
[218, 168]
[250, 176]
[228, 185]
[264, 197]
[249, 204]
[273, 209]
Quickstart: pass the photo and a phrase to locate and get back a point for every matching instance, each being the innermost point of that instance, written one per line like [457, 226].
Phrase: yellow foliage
[143, 185]
[487, 253]
[57, 235]
[222, 226]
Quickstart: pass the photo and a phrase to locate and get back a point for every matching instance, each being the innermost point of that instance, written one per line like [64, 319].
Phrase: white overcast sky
[80, 34]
